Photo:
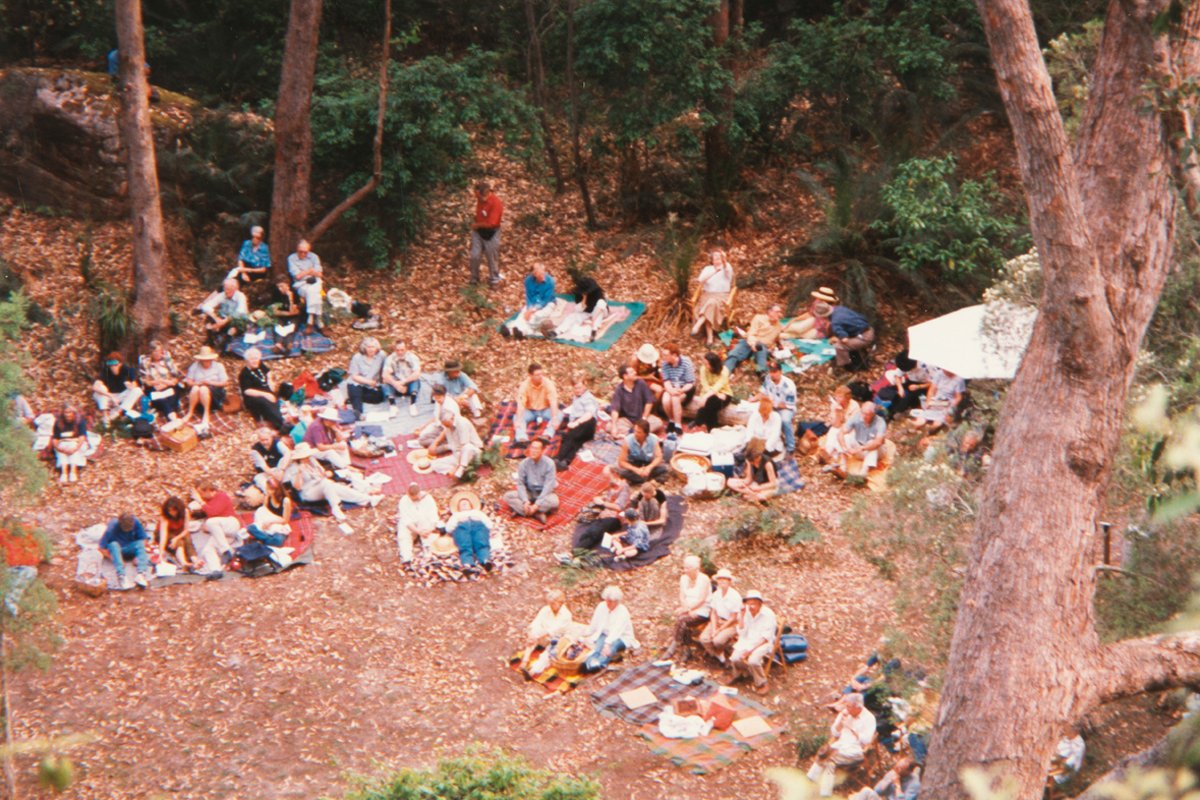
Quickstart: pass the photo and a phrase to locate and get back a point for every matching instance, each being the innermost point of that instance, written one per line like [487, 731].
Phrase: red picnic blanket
[577, 487]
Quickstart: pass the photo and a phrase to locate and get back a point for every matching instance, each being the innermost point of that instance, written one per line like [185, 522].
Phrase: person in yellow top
[537, 401]
[712, 391]
[759, 341]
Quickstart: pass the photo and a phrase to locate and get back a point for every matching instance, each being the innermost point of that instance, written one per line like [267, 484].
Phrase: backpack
[255, 558]
[331, 378]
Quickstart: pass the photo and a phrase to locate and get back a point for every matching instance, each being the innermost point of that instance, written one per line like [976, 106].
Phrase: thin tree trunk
[377, 146]
[718, 158]
[537, 74]
[290, 196]
[1025, 658]
[148, 309]
[580, 165]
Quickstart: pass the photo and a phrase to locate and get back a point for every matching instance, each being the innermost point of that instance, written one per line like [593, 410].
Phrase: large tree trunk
[579, 163]
[1025, 657]
[149, 300]
[293, 131]
[537, 75]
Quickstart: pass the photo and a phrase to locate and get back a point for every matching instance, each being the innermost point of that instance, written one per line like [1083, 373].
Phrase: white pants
[333, 493]
[124, 401]
[310, 293]
[76, 459]
[532, 325]
[338, 459]
[473, 404]
[823, 772]
[456, 461]
[225, 531]
[405, 538]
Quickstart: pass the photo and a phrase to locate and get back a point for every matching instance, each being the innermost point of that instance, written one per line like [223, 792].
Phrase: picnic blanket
[660, 543]
[302, 343]
[788, 473]
[502, 426]
[577, 486]
[430, 570]
[806, 353]
[549, 681]
[612, 333]
[401, 472]
[704, 754]
[654, 677]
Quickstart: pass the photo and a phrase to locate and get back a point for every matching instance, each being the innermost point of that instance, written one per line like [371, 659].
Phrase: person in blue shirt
[472, 531]
[460, 387]
[635, 539]
[254, 259]
[851, 332]
[126, 538]
[539, 304]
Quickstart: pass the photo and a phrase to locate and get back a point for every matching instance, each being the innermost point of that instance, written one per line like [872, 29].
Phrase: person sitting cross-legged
[116, 391]
[537, 401]
[539, 303]
[225, 318]
[850, 735]
[471, 530]
[755, 640]
[550, 624]
[641, 457]
[766, 425]
[635, 539]
[457, 445]
[537, 479]
[861, 440]
[761, 338]
[417, 521]
[327, 438]
[610, 631]
[126, 538]
[757, 482]
[443, 403]
[402, 375]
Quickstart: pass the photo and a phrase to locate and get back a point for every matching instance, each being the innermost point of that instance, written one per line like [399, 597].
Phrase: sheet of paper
[751, 726]
[284, 330]
[376, 416]
[345, 528]
[636, 698]
[254, 338]
[163, 395]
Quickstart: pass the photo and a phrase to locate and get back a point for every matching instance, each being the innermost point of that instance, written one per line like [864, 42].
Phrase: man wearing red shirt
[485, 233]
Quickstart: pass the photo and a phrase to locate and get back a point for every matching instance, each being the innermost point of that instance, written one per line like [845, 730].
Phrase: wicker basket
[568, 667]
[691, 459]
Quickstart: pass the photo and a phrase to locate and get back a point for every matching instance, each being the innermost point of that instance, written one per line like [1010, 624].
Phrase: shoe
[412, 408]
[226, 557]
[141, 581]
[62, 478]
[540, 516]
[561, 466]
[73, 477]
[126, 583]
[563, 558]
[458, 473]
[375, 500]
[488, 566]
[518, 335]
[505, 332]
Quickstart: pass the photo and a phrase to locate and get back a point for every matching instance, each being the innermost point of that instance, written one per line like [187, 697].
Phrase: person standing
[485, 233]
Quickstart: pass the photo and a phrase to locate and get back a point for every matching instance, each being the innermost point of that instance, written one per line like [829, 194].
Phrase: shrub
[480, 774]
[791, 527]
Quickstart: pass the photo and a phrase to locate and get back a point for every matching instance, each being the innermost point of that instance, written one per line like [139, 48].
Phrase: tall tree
[579, 163]
[537, 76]
[720, 169]
[293, 130]
[1025, 657]
[149, 306]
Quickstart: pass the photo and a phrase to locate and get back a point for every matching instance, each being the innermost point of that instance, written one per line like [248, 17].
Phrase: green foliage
[677, 252]
[110, 308]
[917, 535]
[1069, 61]
[20, 473]
[1156, 584]
[702, 550]
[480, 774]
[809, 740]
[434, 105]
[791, 527]
[936, 223]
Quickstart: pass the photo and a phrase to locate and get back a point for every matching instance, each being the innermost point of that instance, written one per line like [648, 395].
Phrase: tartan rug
[705, 754]
[658, 680]
[301, 344]
[577, 487]
[502, 425]
[401, 472]
[300, 540]
[549, 681]
[606, 449]
[788, 472]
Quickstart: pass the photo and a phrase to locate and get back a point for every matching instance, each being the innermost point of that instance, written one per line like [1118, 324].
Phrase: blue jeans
[360, 393]
[597, 661]
[412, 390]
[532, 417]
[474, 542]
[741, 351]
[136, 550]
[270, 539]
[788, 416]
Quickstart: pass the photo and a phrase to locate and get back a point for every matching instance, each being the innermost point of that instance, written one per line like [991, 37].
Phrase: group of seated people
[466, 531]
[585, 317]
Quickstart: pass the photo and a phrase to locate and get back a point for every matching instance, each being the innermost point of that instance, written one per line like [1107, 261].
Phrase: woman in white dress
[716, 282]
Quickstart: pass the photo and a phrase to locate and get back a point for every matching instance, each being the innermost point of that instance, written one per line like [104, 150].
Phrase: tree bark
[148, 307]
[537, 75]
[1025, 658]
[293, 131]
[377, 145]
[579, 164]
[719, 168]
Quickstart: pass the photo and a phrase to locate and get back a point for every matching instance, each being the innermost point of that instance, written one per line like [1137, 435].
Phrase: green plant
[110, 309]
[789, 526]
[677, 251]
[479, 773]
[475, 297]
[937, 223]
[702, 550]
[491, 458]
[809, 740]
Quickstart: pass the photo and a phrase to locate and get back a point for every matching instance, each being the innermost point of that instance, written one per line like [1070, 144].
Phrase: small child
[649, 509]
[612, 501]
[635, 539]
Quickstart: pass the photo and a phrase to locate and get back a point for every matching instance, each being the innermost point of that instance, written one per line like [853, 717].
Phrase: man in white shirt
[755, 640]
[462, 442]
[852, 732]
[418, 519]
[443, 403]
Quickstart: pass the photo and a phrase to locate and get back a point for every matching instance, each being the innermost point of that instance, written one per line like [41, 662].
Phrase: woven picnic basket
[568, 667]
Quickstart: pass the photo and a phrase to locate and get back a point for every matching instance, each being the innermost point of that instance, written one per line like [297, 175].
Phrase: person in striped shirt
[679, 383]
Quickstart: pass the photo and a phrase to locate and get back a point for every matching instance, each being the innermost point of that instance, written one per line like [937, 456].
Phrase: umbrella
[984, 341]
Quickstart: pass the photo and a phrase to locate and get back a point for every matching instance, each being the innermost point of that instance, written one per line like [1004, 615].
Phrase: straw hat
[414, 456]
[206, 354]
[723, 573]
[443, 546]
[825, 295]
[330, 413]
[753, 594]
[303, 450]
[464, 494]
[423, 466]
[647, 354]
[822, 309]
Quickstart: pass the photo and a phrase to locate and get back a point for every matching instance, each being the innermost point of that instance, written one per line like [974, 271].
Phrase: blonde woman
[716, 282]
[548, 626]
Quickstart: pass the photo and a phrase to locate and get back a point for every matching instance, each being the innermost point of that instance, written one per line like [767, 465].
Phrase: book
[637, 698]
[751, 726]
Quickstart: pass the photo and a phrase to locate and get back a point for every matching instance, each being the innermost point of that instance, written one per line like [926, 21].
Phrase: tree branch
[1150, 664]
[377, 162]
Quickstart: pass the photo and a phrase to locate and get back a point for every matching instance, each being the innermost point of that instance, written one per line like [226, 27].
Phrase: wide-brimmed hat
[464, 494]
[206, 354]
[303, 450]
[443, 546]
[825, 295]
[753, 594]
[330, 414]
[423, 466]
[723, 573]
[414, 456]
[822, 309]
[647, 354]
